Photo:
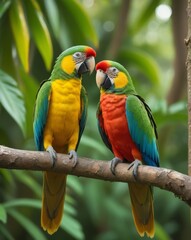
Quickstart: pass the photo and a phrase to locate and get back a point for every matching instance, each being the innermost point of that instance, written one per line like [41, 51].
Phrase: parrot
[128, 129]
[59, 120]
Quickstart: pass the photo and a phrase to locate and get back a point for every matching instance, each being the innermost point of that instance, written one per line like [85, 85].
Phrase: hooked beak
[102, 80]
[87, 66]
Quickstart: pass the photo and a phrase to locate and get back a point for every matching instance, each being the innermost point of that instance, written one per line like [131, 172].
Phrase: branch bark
[179, 25]
[188, 64]
[167, 179]
[119, 29]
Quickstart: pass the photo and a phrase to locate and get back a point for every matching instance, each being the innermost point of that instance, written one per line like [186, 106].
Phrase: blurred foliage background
[148, 38]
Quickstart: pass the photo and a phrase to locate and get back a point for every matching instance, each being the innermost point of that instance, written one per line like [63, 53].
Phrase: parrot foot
[114, 163]
[73, 154]
[53, 155]
[135, 165]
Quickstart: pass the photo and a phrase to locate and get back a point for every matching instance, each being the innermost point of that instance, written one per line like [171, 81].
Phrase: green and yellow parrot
[128, 129]
[59, 121]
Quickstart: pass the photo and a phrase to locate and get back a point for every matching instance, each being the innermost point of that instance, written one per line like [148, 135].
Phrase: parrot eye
[113, 71]
[77, 55]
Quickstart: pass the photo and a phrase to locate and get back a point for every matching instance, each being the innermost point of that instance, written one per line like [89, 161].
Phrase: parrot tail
[142, 208]
[54, 185]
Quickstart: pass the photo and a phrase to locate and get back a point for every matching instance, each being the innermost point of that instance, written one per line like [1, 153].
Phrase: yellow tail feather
[54, 185]
[142, 208]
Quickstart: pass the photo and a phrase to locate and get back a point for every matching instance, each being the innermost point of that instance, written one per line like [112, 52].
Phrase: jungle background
[148, 38]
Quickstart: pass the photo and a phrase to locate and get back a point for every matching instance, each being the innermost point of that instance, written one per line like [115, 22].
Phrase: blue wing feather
[142, 129]
[40, 113]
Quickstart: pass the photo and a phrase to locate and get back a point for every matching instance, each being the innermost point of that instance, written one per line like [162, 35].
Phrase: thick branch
[167, 179]
[119, 29]
[188, 63]
[179, 25]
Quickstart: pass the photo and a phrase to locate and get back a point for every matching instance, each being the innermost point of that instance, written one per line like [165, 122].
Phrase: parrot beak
[87, 66]
[103, 80]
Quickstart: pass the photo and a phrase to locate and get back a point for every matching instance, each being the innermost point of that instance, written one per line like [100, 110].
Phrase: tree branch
[119, 29]
[179, 24]
[188, 64]
[167, 179]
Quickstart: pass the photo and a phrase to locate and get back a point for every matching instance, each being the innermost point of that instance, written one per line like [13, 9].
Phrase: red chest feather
[116, 127]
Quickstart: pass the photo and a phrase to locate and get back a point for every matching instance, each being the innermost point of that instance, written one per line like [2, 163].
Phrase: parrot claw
[73, 154]
[135, 165]
[114, 163]
[53, 155]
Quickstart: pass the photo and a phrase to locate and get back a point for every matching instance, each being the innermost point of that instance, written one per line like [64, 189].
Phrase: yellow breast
[62, 126]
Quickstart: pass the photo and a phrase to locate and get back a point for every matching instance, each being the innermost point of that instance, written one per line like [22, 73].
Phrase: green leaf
[3, 214]
[29, 181]
[4, 5]
[20, 32]
[73, 227]
[144, 61]
[29, 89]
[78, 22]
[69, 209]
[5, 232]
[175, 113]
[52, 10]
[39, 31]
[12, 100]
[75, 184]
[29, 226]
[24, 202]
[144, 16]
[161, 233]
[6, 52]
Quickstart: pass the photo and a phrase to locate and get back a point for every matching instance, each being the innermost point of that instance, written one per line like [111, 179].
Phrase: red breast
[116, 127]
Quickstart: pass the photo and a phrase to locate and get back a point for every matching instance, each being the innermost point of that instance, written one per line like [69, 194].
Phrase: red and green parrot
[59, 121]
[128, 129]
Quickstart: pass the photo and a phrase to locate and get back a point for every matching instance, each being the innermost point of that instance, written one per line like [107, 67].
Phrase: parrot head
[73, 62]
[113, 77]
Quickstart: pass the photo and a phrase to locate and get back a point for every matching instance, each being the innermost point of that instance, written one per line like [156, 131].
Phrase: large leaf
[5, 232]
[23, 202]
[6, 53]
[12, 100]
[78, 23]
[174, 114]
[29, 89]
[20, 32]
[3, 214]
[161, 233]
[75, 184]
[52, 10]
[4, 5]
[39, 31]
[73, 227]
[28, 180]
[144, 16]
[26, 223]
[144, 61]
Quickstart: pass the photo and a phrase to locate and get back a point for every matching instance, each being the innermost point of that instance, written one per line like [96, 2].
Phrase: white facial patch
[91, 64]
[100, 77]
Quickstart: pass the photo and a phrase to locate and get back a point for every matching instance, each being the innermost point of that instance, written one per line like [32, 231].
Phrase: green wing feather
[84, 107]
[40, 113]
[142, 129]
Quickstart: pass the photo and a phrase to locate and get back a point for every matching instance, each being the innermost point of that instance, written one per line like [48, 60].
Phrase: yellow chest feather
[64, 113]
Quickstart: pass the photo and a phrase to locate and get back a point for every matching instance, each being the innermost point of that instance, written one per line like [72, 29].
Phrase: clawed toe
[73, 155]
[53, 154]
[135, 165]
[114, 163]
